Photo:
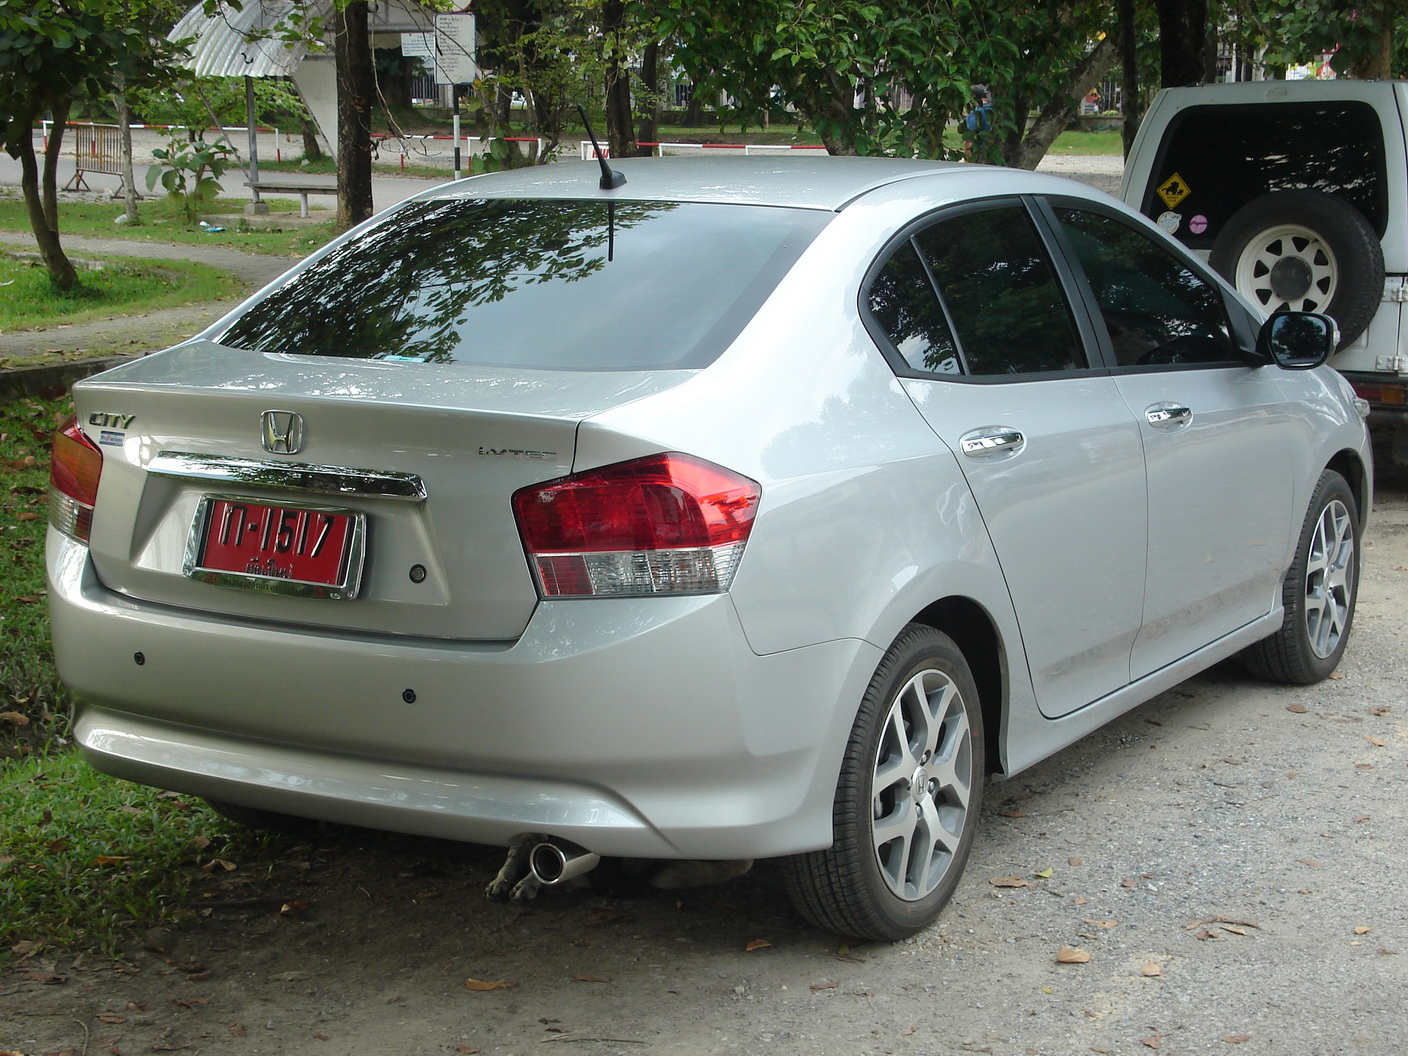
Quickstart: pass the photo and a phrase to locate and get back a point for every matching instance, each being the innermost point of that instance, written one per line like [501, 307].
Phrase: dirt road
[1229, 855]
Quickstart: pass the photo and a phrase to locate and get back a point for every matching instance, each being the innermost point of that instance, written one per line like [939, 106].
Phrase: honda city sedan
[747, 508]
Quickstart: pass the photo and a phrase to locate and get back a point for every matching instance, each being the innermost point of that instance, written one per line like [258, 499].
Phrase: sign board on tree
[418, 45]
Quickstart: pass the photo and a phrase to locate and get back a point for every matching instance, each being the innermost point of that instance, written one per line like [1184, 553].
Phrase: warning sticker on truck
[1173, 190]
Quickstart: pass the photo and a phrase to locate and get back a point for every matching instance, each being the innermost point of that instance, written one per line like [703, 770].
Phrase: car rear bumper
[643, 729]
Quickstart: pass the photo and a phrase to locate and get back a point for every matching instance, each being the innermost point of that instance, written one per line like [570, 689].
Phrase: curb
[42, 379]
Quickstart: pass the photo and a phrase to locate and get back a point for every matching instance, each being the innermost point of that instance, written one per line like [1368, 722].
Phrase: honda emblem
[282, 432]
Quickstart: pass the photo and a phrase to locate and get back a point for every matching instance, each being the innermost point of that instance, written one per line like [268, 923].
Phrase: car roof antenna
[610, 178]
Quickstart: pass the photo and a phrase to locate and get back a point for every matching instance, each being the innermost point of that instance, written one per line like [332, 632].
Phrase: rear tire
[1304, 251]
[1318, 593]
[907, 799]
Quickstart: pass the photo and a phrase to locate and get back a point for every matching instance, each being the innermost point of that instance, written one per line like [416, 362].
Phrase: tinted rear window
[1224, 156]
[562, 285]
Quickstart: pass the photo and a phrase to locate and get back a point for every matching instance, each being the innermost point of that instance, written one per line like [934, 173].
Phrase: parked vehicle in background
[1297, 193]
[742, 508]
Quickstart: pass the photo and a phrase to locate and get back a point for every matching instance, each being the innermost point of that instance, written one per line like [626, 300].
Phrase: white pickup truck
[1297, 193]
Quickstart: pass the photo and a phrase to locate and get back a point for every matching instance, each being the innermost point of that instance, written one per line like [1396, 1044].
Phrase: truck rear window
[1221, 157]
[540, 283]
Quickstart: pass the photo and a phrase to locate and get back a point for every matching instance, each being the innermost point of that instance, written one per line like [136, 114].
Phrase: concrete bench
[303, 190]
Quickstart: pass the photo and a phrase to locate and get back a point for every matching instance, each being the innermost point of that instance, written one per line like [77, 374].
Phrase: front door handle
[992, 441]
[1168, 416]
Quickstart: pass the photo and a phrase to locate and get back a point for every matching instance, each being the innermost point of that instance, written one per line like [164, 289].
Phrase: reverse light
[664, 524]
[75, 464]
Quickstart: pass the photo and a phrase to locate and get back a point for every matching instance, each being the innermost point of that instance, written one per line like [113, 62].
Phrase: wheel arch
[976, 635]
[1349, 465]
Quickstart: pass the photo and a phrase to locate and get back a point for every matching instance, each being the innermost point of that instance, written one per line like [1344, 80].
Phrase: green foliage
[190, 102]
[85, 857]
[1298, 31]
[190, 172]
[34, 705]
[119, 287]
[909, 64]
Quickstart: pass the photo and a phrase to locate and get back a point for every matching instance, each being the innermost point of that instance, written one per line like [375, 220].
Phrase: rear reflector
[665, 524]
[75, 464]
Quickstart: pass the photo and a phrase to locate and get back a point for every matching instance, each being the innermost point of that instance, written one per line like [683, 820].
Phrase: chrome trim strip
[296, 476]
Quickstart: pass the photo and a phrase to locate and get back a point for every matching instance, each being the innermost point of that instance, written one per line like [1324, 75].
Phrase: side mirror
[1298, 340]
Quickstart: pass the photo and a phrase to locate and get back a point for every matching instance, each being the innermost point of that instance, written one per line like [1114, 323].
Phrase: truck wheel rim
[1288, 267]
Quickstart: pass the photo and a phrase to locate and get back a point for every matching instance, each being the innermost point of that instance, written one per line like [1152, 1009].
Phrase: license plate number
[309, 551]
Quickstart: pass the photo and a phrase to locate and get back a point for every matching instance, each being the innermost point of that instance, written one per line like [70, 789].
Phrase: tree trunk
[129, 185]
[42, 208]
[51, 166]
[1057, 115]
[1131, 105]
[353, 53]
[650, 76]
[1183, 36]
[312, 149]
[620, 122]
[1377, 65]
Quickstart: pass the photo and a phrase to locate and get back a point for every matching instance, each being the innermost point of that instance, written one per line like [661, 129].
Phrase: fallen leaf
[825, 986]
[1230, 920]
[1236, 1039]
[756, 944]
[1009, 881]
[1074, 861]
[111, 859]
[591, 979]
[1359, 818]
[1151, 970]
[294, 909]
[1045, 874]
[467, 1050]
[109, 1018]
[1337, 675]
[322, 1037]
[1047, 990]
[189, 1002]
[1311, 862]
[1071, 955]
[1362, 929]
[1297, 709]
[1103, 923]
[238, 1030]
[481, 984]
[1380, 712]
[1129, 883]
[1151, 1042]
[1234, 929]
[1010, 814]
[1204, 935]
[1377, 742]
[1233, 762]
[907, 1033]
[15, 717]
[1363, 766]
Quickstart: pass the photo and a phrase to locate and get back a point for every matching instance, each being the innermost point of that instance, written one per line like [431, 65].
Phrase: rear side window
[1216, 159]
[551, 284]
[975, 294]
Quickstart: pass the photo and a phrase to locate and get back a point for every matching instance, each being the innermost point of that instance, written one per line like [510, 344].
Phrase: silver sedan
[747, 508]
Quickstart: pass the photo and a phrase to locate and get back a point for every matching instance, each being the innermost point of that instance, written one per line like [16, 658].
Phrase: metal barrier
[96, 148]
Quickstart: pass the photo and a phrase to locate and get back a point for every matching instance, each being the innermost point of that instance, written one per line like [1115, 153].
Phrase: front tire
[907, 799]
[1318, 593]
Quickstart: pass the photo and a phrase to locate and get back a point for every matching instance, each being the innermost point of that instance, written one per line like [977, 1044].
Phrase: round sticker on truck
[1169, 221]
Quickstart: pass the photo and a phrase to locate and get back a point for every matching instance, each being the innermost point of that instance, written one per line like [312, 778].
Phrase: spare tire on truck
[1304, 251]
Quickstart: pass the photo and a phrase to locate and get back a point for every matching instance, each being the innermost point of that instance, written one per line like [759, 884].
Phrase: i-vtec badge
[104, 420]
[281, 432]
[515, 452]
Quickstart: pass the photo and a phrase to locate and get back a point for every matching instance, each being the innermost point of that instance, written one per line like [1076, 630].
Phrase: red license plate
[303, 548]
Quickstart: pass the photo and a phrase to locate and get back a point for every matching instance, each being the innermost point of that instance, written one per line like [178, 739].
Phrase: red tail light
[665, 524]
[75, 465]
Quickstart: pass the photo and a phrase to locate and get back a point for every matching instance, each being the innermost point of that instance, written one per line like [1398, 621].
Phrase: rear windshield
[551, 284]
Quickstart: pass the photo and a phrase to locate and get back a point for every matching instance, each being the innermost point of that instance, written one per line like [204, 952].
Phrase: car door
[1219, 523]
[973, 316]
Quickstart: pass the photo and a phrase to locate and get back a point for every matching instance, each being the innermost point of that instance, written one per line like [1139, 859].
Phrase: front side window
[976, 294]
[1156, 309]
[550, 284]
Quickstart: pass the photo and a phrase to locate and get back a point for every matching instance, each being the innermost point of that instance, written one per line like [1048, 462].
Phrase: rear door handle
[992, 441]
[1168, 416]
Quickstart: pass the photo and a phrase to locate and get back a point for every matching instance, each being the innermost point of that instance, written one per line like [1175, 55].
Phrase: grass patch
[85, 857]
[1108, 144]
[34, 707]
[163, 221]
[121, 286]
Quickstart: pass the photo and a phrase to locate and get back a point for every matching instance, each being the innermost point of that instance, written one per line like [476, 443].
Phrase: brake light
[75, 465]
[665, 524]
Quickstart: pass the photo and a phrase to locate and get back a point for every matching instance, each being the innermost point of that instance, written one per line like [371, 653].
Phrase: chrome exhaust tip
[557, 862]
